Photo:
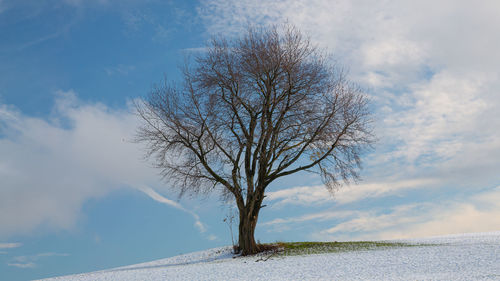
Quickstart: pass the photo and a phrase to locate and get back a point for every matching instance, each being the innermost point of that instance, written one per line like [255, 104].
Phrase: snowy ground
[457, 257]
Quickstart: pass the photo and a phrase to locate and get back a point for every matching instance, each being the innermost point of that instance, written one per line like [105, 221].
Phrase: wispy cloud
[138, 20]
[10, 245]
[318, 194]
[61, 30]
[201, 227]
[30, 261]
[301, 195]
[321, 216]
[79, 3]
[23, 265]
[159, 198]
[52, 254]
[119, 69]
[195, 50]
[163, 26]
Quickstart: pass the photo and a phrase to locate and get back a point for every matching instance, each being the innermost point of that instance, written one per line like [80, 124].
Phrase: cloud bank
[432, 73]
[477, 213]
[431, 69]
[480, 213]
[49, 168]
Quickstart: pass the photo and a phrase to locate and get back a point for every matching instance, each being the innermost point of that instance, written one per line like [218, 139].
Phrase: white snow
[455, 257]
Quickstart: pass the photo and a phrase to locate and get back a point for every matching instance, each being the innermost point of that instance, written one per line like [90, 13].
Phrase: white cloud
[456, 214]
[368, 221]
[373, 190]
[302, 195]
[30, 261]
[157, 197]
[23, 265]
[433, 73]
[50, 168]
[201, 227]
[314, 195]
[321, 216]
[479, 213]
[10, 245]
[444, 113]
[392, 52]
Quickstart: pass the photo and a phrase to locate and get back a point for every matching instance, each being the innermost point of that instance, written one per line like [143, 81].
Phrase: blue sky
[76, 194]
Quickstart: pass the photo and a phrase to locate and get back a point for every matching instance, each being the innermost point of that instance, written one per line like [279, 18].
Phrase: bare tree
[250, 111]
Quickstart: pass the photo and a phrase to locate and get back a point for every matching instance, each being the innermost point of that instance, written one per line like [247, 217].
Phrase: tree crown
[254, 109]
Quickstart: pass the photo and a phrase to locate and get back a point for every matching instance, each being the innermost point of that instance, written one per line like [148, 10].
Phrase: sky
[77, 195]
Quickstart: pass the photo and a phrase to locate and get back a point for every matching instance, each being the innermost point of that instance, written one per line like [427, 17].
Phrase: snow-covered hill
[456, 257]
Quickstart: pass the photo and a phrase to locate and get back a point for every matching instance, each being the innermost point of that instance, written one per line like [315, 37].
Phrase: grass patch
[307, 248]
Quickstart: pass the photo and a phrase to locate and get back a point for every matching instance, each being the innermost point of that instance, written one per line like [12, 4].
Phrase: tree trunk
[246, 242]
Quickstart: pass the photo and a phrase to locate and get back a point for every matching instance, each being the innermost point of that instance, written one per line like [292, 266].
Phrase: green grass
[307, 248]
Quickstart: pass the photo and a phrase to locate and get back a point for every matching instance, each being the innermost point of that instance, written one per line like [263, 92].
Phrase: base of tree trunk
[246, 241]
[249, 248]
[249, 252]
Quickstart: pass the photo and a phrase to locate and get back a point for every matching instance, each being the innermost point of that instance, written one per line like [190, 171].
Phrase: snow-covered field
[456, 257]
